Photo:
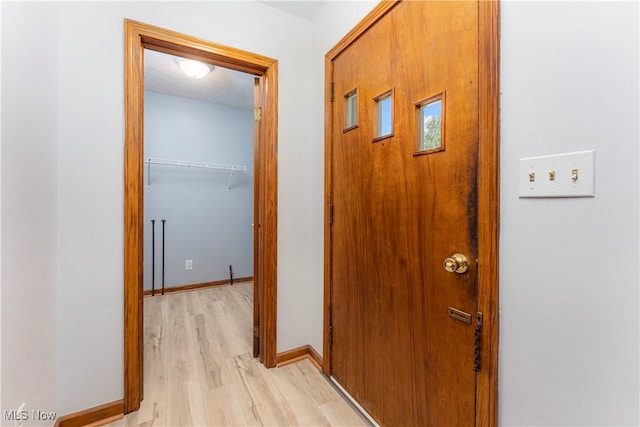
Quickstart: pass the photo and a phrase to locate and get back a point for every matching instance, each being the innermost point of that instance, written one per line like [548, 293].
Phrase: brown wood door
[400, 209]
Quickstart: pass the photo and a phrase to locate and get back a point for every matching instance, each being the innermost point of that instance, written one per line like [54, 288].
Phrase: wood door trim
[139, 36]
[257, 103]
[488, 208]
[328, 191]
[488, 195]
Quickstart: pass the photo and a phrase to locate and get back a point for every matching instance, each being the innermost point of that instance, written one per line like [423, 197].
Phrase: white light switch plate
[560, 175]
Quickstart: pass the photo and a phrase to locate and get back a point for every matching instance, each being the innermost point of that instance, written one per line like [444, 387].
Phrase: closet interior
[198, 193]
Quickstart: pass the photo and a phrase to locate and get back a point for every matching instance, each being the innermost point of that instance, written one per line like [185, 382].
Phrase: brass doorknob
[457, 263]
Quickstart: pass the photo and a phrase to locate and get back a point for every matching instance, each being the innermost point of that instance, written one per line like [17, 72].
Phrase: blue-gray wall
[204, 222]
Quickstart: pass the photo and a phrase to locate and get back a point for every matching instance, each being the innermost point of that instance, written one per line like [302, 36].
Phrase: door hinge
[478, 343]
[330, 213]
[257, 114]
[256, 331]
[330, 336]
[331, 91]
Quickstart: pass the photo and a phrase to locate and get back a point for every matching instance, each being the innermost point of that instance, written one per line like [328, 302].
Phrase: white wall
[91, 173]
[569, 267]
[29, 207]
[204, 222]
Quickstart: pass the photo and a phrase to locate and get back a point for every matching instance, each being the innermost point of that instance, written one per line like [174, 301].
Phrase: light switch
[560, 175]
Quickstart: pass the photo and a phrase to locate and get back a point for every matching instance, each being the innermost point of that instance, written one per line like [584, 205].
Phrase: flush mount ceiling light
[194, 69]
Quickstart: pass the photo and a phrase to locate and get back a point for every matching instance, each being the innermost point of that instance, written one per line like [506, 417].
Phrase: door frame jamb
[488, 195]
[139, 36]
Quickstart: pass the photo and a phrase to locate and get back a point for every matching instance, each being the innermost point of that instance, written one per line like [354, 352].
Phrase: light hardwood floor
[199, 369]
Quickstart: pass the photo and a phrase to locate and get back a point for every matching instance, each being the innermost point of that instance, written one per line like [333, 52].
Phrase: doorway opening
[138, 37]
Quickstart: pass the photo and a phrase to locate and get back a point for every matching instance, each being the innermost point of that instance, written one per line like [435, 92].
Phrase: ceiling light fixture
[194, 69]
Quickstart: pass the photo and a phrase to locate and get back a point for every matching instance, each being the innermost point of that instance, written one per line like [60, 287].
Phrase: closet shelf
[192, 164]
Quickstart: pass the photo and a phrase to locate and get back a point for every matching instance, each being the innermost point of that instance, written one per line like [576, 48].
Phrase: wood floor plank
[340, 413]
[258, 402]
[233, 341]
[155, 374]
[209, 369]
[183, 398]
[304, 379]
[199, 369]
[222, 407]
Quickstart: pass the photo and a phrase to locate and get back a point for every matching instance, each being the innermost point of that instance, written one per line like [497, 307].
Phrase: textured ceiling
[221, 86]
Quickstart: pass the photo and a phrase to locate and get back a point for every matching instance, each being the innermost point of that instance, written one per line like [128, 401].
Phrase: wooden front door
[403, 195]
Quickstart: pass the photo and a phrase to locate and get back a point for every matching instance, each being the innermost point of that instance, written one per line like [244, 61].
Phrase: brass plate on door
[460, 315]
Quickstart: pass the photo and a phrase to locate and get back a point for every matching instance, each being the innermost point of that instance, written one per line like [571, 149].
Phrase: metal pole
[153, 257]
[163, 221]
[231, 274]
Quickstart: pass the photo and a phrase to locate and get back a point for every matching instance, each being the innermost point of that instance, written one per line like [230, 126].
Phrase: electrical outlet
[560, 175]
[188, 264]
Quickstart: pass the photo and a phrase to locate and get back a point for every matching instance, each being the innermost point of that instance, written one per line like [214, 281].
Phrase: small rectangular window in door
[431, 124]
[383, 116]
[351, 108]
